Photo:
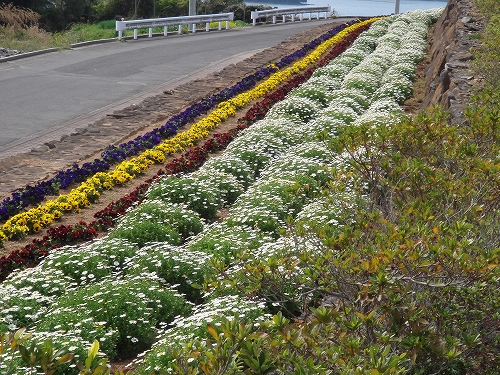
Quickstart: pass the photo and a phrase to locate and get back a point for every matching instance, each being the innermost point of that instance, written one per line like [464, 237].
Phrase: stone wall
[449, 79]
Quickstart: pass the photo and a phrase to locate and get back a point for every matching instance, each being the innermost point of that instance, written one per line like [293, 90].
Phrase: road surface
[45, 94]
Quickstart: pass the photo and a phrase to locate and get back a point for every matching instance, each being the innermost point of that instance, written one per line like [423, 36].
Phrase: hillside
[327, 232]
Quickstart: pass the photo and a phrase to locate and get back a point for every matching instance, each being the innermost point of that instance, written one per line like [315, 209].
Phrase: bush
[177, 266]
[144, 232]
[132, 306]
[174, 217]
[185, 190]
[90, 263]
[225, 243]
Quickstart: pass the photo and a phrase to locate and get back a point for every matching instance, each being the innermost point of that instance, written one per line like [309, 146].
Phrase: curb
[90, 42]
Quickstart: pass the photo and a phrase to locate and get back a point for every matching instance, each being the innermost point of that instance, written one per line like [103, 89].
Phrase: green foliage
[80, 322]
[186, 339]
[299, 106]
[232, 166]
[173, 216]
[487, 57]
[107, 25]
[226, 243]
[93, 365]
[144, 232]
[226, 185]
[177, 266]
[132, 306]
[88, 264]
[36, 356]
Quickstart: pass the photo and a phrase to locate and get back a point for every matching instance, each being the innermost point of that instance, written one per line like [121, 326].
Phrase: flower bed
[57, 237]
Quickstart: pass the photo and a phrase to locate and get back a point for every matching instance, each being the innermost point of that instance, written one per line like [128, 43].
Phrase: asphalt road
[45, 94]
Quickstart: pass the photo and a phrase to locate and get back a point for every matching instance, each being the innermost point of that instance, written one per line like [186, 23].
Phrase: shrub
[226, 185]
[170, 215]
[17, 18]
[79, 323]
[185, 190]
[232, 165]
[132, 306]
[177, 266]
[256, 150]
[144, 232]
[225, 242]
[20, 306]
[274, 273]
[90, 263]
[192, 332]
[301, 107]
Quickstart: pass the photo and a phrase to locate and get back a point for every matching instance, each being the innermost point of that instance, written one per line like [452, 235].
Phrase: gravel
[5, 52]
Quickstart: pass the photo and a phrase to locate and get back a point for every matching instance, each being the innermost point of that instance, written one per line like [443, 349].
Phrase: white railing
[300, 11]
[173, 21]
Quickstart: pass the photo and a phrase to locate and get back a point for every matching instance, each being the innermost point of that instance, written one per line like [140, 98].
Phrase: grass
[29, 36]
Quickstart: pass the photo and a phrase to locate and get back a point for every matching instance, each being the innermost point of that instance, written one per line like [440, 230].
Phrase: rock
[448, 78]
[6, 52]
[41, 148]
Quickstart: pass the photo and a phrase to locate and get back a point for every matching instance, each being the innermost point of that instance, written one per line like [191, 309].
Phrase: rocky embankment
[448, 78]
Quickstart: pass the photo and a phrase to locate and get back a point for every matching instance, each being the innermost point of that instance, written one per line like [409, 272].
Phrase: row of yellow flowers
[89, 191]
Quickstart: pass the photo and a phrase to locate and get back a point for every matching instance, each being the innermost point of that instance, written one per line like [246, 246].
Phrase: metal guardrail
[172, 21]
[256, 14]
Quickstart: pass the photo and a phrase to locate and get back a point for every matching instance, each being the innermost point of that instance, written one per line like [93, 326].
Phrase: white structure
[173, 21]
[300, 11]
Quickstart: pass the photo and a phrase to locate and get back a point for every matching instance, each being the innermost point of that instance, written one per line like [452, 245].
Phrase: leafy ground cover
[356, 240]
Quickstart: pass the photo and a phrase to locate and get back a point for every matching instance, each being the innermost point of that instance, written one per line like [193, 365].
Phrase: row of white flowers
[284, 153]
[273, 173]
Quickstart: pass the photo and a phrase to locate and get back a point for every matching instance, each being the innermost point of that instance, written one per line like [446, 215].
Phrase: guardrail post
[284, 18]
[180, 30]
[150, 32]
[120, 34]
[135, 33]
[194, 28]
[309, 16]
[227, 25]
[254, 19]
[274, 19]
[293, 17]
[220, 25]
[207, 26]
[165, 30]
